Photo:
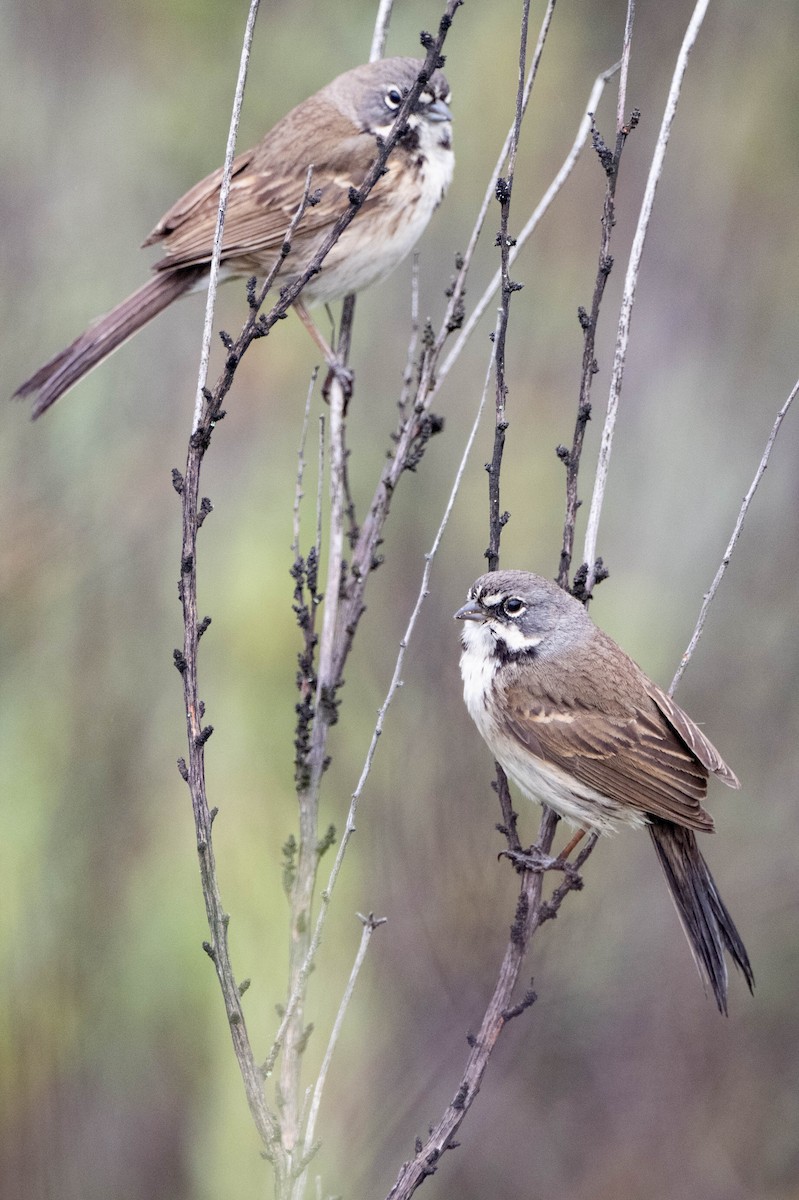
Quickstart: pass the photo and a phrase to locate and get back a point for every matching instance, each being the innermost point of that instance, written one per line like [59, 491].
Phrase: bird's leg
[567, 849]
[335, 368]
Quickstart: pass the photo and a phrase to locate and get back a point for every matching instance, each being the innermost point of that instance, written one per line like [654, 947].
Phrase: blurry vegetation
[118, 1079]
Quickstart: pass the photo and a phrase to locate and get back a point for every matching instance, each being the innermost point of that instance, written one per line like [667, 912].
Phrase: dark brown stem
[496, 518]
[194, 772]
[611, 163]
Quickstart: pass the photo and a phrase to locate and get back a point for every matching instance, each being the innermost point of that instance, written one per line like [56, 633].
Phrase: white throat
[477, 671]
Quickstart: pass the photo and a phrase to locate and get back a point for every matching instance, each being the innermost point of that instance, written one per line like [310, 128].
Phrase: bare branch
[224, 190]
[370, 923]
[413, 340]
[382, 21]
[504, 190]
[589, 322]
[630, 285]
[298, 492]
[621, 100]
[736, 533]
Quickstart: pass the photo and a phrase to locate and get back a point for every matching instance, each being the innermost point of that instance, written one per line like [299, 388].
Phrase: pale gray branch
[298, 492]
[736, 533]
[370, 924]
[621, 100]
[224, 190]
[380, 34]
[335, 552]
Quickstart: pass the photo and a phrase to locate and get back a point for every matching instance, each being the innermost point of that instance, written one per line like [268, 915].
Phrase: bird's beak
[438, 111]
[470, 612]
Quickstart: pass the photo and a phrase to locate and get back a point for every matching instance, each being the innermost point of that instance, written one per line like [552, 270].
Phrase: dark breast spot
[505, 655]
[410, 139]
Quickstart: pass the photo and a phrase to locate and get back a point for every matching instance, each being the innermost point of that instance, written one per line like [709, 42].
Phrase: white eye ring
[513, 606]
[393, 97]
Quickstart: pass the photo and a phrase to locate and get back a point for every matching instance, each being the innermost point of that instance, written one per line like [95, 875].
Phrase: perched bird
[577, 725]
[336, 131]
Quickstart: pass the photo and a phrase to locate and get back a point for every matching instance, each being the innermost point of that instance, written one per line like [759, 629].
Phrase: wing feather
[264, 196]
[633, 757]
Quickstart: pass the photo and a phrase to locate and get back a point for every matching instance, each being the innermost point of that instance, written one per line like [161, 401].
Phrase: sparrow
[578, 726]
[336, 132]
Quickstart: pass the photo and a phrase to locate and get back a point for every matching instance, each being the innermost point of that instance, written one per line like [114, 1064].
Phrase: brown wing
[267, 187]
[692, 736]
[195, 199]
[633, 756]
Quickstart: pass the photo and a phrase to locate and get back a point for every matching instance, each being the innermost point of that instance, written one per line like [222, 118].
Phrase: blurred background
[118, 1079]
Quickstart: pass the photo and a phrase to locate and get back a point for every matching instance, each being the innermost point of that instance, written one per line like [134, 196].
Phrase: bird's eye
[512, 606]
[393, 98]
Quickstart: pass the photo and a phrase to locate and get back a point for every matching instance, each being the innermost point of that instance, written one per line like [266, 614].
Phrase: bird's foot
[535, 860]
[344, 376]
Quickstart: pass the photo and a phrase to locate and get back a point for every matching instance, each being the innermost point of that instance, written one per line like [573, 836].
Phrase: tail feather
[105, 335]
[708, 925]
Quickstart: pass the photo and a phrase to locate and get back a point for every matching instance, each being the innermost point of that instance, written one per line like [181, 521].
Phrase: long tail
[708, 926]
[105, 335]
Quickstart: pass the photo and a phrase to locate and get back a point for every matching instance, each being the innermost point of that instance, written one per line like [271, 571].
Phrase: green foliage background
[117, 1075]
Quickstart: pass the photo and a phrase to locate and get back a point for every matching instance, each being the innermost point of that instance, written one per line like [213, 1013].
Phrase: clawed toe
[534, 859]
[345, 377]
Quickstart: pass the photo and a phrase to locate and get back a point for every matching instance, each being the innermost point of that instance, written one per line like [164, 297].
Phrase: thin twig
[736, 533]
[630, 285]
[370, 923]
[338, 501]
[589, 322]
[298, 492]
[224, 190]
[621, 99]
[504, 191]
[320, 485]
[413, 340]
[380, 34]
